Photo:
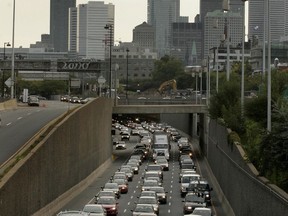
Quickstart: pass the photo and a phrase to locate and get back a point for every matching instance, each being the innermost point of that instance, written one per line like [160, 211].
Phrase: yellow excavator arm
[172, 84]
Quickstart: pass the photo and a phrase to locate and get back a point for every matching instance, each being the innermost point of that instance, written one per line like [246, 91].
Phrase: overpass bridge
[167, 108]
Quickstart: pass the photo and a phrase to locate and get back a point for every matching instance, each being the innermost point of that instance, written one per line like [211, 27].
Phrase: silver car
[94, 210]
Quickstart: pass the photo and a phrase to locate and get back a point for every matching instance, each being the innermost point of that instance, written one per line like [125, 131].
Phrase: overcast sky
[32, 18]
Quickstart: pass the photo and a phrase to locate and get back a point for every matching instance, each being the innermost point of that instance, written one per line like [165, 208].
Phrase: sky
[32, 18]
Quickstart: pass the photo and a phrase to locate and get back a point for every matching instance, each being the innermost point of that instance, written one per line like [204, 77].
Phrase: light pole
[3, 77]
[226, 8]
[127, 52]
[269, 67]
[110, 28]
[243, 62]
[12, 55]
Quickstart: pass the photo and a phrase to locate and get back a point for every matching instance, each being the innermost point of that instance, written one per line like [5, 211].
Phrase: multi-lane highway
[127, 202]
[19, 125]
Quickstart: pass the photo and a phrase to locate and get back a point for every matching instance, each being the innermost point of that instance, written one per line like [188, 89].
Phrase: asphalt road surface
[127, 202]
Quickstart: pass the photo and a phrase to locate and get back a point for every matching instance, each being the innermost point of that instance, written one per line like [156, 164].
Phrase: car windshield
[202, 212]
[106, 200]
[106, 193]
[147, 200]
[158, 190]
[150, 183]
[111, 186]
[93, 209]
[194, 198]
[144, 208]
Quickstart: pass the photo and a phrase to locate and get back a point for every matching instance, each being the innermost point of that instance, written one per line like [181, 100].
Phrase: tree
[167, 68]
[274, 148]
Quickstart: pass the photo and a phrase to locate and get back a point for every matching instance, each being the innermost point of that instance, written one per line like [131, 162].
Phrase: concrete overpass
[151, 109]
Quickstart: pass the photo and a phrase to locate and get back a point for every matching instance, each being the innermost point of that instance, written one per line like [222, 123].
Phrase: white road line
[19, 118]
[29, 113]
[8, 123]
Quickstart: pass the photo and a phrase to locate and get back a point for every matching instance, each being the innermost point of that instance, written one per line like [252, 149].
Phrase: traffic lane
[127, 202]
[204, 170]
[19, 125]
[88, 194]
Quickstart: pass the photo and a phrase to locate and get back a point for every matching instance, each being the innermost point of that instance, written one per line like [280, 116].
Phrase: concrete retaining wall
[247, 193]
[76, 147]
[10, 104]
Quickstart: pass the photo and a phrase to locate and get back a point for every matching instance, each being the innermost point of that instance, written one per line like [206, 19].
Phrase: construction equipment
[168, 85]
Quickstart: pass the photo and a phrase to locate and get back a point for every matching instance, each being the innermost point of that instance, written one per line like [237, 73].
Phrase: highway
[19, 125]
[174, 206]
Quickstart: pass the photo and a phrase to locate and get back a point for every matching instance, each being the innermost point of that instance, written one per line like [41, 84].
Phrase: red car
[110, 204]
[123, 185]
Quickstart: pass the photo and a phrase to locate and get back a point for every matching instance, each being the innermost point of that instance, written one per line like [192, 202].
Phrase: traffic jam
[159, 176]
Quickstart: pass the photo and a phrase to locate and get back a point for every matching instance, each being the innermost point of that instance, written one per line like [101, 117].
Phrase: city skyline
[31, 23]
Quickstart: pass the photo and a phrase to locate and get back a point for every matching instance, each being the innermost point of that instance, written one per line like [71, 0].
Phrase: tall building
[72, 32]
[207, 6]
[161, 14]
[59, 10]
[144, 36]
[215, 31]
[186, 42]
[278, 19]
[92, 38]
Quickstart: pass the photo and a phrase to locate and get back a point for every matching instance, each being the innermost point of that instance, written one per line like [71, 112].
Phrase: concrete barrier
[10, 104]
[62, 157]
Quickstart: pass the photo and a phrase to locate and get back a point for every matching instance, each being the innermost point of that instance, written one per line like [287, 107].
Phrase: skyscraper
[208, 6]
[92, 37]
[278, 19]
[59, 10]
[161, 14]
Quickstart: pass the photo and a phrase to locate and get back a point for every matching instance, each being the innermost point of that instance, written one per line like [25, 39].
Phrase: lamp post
[110, 28]
[269, 66]
[226, 8]
[127, 52]
[12, 55]
[243, 62]
[3, 77]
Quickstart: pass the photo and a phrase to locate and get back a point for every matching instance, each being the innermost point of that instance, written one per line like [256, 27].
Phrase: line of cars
[194, 189]
[75, 99]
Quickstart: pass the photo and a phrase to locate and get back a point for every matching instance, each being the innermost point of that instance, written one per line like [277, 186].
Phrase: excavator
[167, 85]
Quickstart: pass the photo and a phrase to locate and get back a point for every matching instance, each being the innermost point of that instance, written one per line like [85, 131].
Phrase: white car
[120, 145]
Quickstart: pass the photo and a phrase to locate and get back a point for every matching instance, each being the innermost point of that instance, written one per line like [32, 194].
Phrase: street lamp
[269, 97]
[127, 52]
[4, 58]
[226, 8]
[110, 28]
[243, 62]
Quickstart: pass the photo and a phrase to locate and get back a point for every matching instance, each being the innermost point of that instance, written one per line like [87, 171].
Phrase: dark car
[201, 187]
[125, 135]
[191, 201]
